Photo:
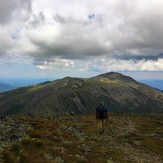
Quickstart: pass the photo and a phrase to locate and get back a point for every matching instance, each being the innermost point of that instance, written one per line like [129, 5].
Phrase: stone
[85, 148]
[48, 157]
[137, 143]
[58, 160]
[1, 160]
[11, 130]
[61, 149]
[72, 113]
[110, 161]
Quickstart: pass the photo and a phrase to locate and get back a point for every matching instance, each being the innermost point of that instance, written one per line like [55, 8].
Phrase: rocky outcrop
[12, 131]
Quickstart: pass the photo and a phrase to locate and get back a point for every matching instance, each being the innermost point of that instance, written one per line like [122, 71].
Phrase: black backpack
[101, 113]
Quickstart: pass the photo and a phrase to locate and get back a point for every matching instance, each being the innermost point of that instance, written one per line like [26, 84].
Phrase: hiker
[101, 115]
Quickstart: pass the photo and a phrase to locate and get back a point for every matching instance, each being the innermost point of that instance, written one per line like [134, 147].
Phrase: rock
[137, 143]
[58, 160]
[1, 160]
[72, 113]
[110, 161]
[85, 148]
[76, 133]
[48, 157]
[71, 129]
[61, 149]
[157, 135]
[11, 131]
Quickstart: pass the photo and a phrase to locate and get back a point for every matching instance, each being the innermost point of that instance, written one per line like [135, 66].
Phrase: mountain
[120, 93]
[5, 87]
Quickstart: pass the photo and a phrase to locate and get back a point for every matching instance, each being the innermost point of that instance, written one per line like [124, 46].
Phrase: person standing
[102, 115]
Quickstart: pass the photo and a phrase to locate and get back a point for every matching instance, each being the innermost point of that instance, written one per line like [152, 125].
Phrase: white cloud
[6, 43]
[107, 64]
[128, 35]
[117, 28]
[56, 64]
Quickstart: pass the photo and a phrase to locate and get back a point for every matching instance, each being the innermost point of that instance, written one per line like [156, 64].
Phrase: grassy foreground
[127, 138]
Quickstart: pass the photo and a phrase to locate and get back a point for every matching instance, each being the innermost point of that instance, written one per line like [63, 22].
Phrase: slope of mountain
[120, 93]
[5, 87]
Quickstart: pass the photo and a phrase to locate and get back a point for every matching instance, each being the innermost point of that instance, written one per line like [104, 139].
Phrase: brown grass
[45, 137]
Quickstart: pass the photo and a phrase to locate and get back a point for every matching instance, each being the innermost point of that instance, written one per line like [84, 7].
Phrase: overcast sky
[57, 38]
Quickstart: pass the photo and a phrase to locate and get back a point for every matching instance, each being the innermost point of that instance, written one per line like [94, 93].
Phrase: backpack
[101, 113]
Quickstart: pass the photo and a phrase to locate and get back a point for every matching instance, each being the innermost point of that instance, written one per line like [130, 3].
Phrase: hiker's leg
[103, 125]
[100, 124]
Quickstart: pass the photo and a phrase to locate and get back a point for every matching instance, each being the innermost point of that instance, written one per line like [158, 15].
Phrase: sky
[82, 38]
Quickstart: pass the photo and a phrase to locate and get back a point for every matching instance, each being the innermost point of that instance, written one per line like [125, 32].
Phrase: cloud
[55, 64]
[139, 56]
[7, 44]
[127, 34]
[116, 29]
[13, 14]
[106, 64]
[9, 9]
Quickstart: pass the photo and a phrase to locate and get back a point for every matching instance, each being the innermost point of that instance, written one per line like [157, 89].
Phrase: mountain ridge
[120, 93]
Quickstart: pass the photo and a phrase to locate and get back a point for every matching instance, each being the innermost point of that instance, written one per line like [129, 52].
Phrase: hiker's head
[101, 103]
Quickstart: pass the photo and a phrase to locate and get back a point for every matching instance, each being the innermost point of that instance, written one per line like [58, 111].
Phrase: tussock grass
[60, 137]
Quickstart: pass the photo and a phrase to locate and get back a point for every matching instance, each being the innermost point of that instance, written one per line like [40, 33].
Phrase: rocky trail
[59, 139]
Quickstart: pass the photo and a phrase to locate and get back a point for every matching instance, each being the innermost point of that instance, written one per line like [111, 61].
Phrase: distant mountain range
[21, 82]
[5, 87]
[158, 84]
[120, 93]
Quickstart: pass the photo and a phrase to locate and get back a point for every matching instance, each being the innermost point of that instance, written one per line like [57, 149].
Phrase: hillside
[120, 93]
[127, 139]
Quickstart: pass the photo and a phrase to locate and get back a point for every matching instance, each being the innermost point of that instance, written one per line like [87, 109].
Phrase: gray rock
[58, 160]
[110, 161]
[138, 142]
[48, 157]
[85, 148]
[11, 131]
[72, 113]
[61, 149]
[1, 160]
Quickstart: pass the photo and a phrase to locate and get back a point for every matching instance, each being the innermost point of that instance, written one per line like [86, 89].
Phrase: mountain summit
[120, 93]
